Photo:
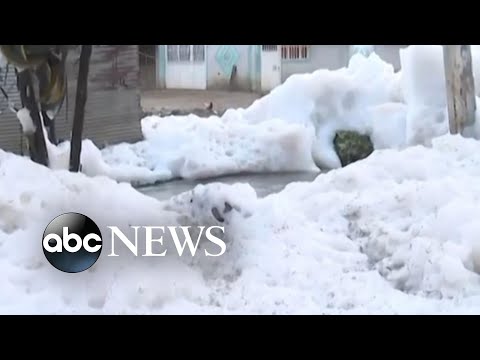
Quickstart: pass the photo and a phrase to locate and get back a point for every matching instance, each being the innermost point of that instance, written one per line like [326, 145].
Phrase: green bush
[351, 146]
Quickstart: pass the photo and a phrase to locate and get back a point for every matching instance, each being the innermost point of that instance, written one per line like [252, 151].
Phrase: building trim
[162, 63]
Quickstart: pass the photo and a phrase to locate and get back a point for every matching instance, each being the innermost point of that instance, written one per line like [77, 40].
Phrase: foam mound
[373, 238]
[293, 127]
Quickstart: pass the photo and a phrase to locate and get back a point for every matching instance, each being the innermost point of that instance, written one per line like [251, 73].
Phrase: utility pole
[460, 88]
[80, 102]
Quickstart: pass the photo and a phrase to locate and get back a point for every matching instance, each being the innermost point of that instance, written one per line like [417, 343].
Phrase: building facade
[257, 68]
[112, 112]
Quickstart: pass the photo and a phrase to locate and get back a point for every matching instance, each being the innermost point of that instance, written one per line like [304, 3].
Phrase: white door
[271, 59]
[186, 67]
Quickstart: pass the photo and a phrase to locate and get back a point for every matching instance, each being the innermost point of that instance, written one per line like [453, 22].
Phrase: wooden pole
[460, 88]
[80, 102]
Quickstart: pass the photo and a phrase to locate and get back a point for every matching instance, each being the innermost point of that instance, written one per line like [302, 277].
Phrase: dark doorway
[147, 61]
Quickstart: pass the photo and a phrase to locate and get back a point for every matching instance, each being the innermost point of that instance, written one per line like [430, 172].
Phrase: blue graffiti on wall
[227, 56]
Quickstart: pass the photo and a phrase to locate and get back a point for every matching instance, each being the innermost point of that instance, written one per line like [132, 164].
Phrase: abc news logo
[72, 242]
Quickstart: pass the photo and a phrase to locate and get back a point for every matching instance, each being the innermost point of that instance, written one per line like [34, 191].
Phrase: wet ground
[264, 184]
[166, 101]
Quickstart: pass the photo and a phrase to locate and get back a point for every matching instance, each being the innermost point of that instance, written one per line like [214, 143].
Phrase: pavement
[164, 102]
[264, 184]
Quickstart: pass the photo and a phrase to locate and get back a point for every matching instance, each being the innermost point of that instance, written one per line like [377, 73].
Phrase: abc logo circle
[72, 243]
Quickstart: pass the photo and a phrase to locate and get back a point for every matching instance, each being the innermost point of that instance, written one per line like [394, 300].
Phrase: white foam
[394, 234]
[26, 121]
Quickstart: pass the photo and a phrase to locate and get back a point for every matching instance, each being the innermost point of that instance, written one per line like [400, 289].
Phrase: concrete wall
[147, 77]
[336, 56]
[330, 57]
[390, 54]
[147, 63]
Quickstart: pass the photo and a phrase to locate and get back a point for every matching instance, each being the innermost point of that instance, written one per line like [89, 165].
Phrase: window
[172, 53]
[184, 53]
[295, 52]
[269, 48]
[198, 53]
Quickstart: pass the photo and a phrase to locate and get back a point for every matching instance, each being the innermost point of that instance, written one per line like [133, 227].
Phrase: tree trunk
[460, 89]
[36, 141]
[80, 102]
